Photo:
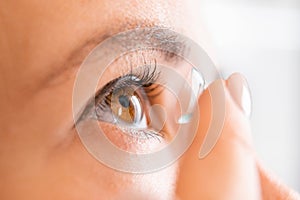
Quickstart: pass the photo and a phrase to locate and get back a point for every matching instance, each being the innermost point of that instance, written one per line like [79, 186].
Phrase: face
[42, 46]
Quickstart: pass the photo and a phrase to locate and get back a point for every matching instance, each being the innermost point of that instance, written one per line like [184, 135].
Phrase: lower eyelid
[130, 143]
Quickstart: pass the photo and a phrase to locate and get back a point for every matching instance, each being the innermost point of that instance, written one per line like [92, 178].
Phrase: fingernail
[240, 92]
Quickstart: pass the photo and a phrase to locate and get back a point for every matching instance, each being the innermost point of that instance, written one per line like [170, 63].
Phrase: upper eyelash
[144, 78]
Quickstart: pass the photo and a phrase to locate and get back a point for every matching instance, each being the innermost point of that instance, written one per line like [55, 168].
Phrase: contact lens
[197, 86]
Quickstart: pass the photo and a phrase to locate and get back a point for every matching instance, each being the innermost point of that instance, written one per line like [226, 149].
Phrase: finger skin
[229, 171]
[272, 188]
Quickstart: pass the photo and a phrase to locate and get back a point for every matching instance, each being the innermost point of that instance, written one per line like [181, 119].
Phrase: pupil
[124, 101]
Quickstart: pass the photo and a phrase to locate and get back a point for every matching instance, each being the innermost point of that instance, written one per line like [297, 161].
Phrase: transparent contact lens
[197, 86]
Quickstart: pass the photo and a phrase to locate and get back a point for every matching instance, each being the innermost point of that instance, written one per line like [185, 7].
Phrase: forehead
[46, 35]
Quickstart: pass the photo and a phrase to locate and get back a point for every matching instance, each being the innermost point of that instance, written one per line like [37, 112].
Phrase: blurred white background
[261, 39]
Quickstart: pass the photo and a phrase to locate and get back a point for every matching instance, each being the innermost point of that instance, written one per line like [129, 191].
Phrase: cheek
[159, 185]
[72, 173]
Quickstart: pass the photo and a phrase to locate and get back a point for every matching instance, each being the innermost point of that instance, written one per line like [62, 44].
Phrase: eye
[125, 101]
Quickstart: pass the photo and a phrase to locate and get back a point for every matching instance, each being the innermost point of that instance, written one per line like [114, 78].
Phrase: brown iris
[124, 105]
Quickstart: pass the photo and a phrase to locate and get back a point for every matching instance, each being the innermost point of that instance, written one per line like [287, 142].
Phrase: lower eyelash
[142, 134]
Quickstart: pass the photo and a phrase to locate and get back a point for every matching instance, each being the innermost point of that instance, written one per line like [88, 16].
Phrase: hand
[230, 170]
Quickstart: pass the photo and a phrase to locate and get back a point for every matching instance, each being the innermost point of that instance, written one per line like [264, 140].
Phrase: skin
[42, 44]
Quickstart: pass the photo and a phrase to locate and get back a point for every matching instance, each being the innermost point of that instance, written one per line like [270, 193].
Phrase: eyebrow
[162, 37]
